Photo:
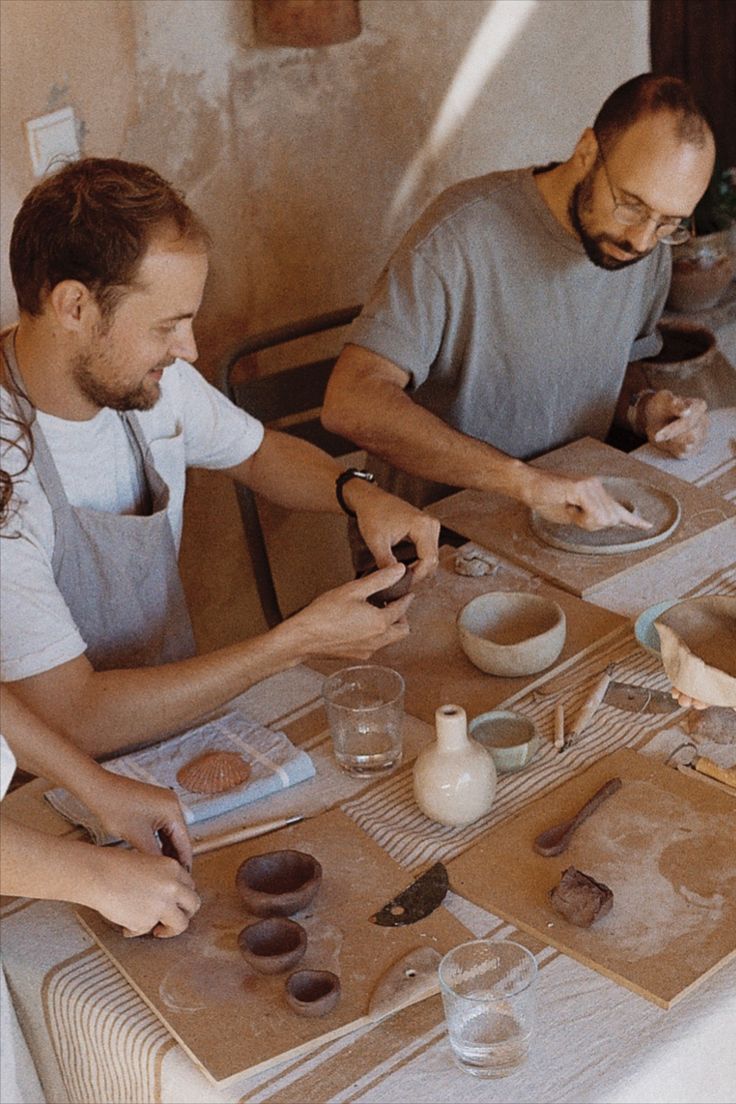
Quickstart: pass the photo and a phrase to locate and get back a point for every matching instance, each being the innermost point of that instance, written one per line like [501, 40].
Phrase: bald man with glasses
[503, 325]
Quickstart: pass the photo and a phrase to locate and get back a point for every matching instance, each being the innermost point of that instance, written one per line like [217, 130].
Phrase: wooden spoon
[553, 841]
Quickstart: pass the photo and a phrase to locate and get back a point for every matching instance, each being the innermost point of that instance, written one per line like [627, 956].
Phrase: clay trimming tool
[421, 898]
[237, 835]
[724, 777]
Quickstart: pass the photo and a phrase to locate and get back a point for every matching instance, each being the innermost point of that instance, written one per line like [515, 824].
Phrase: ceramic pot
[511, 634]
[274, 945]
[278, 883]
[690, 363]
[312, 992]
[454, 778]
[702, 269]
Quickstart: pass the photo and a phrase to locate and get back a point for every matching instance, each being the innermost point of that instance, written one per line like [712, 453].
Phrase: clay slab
[663, 844]
[502, 525]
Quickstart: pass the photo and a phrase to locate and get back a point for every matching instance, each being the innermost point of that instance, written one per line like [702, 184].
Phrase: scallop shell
[214, 772]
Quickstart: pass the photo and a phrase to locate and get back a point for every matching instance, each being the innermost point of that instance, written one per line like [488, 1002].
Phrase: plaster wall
[307, 165]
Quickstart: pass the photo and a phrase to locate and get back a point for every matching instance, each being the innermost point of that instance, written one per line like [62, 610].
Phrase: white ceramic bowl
[511, 633]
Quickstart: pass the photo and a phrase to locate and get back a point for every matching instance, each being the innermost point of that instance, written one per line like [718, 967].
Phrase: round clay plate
[651, 503]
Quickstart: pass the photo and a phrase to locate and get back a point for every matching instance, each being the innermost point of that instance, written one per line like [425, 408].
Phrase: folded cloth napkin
[275, 764]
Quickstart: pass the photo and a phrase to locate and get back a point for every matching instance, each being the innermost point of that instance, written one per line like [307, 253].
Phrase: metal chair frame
[289, 400]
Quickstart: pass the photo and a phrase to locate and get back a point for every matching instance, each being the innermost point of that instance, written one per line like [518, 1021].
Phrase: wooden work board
[502, 525]
[232, 1021]
[436, 670]
[664, 844]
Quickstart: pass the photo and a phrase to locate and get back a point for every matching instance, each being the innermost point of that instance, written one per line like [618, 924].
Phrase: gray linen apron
[117, 573]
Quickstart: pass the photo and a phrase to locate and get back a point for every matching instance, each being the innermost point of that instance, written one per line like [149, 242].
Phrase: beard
[579, 207]
[142, 396]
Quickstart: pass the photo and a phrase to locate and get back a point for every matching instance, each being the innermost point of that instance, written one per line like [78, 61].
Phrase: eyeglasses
[669, 231]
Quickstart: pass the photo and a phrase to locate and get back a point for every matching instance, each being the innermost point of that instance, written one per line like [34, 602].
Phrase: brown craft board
[497, 522]
[664, 844]
[435, 668]
[231, 1020]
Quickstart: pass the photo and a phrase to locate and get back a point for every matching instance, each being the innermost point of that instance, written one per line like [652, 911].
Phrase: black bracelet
[342, 479]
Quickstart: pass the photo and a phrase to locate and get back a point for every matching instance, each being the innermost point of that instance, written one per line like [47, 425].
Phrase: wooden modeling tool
[589, 707]
[237, 835]
[723, 777]
[559, 740]
[553, 841]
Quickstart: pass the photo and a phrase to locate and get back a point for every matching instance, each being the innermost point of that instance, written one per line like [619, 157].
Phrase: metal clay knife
[415, 903]
[639, 699]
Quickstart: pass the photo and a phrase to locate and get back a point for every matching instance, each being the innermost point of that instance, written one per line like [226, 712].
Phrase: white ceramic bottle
[455, 778]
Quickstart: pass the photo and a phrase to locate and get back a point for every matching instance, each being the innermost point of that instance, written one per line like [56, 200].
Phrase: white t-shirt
[191, 426]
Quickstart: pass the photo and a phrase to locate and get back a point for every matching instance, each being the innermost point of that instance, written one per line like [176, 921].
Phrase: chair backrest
[289, 400]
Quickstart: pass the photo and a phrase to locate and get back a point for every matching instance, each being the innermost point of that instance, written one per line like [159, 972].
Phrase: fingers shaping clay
[652, 503]
[580, 899]
[698, 645]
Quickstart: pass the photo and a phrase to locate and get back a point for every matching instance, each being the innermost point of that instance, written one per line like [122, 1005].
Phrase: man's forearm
[374, 411]
[108, 711]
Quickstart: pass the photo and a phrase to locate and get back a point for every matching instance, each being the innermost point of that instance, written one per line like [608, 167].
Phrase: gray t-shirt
[509, 332]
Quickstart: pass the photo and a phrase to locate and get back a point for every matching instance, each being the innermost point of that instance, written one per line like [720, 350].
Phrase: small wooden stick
[727, 775]
[250, 831]
[559, 726]
[589, 706]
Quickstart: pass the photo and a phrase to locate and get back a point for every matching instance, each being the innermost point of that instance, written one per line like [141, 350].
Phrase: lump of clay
[698, 644]
[580, 899]
[214, 772]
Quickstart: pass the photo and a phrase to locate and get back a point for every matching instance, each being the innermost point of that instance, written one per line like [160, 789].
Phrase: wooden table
[93, 1039]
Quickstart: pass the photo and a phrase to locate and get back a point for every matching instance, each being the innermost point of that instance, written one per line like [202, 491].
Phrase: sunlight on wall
[503, 22]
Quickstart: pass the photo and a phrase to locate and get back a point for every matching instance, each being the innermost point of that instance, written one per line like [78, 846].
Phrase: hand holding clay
[584, 502]
[342, 624]
[148, 817]
[675, 424]
[385, 520]
[141, 893]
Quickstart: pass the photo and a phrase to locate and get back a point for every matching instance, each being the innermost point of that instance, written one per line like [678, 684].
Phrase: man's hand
[674, 424]
[385, 520]
[342, 624]
[146, 816]
[583, 502]
[141, 893]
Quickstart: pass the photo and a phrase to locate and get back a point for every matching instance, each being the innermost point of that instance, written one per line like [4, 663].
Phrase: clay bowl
[278, 883]
[313, 992]
[511, 633]
[511, 738]
[274, 945]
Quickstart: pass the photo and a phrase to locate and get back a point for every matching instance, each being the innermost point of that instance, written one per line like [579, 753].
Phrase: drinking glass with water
[365, 712]
[488, 993]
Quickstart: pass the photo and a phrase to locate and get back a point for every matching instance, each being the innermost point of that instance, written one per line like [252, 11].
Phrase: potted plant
[703, 267]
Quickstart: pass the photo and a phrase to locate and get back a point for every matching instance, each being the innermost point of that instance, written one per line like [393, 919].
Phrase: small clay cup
[312, 992]
[381, 598]
[278, 883]
[274, 945]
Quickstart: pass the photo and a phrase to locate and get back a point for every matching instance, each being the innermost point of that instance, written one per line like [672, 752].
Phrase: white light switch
[52, 138]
